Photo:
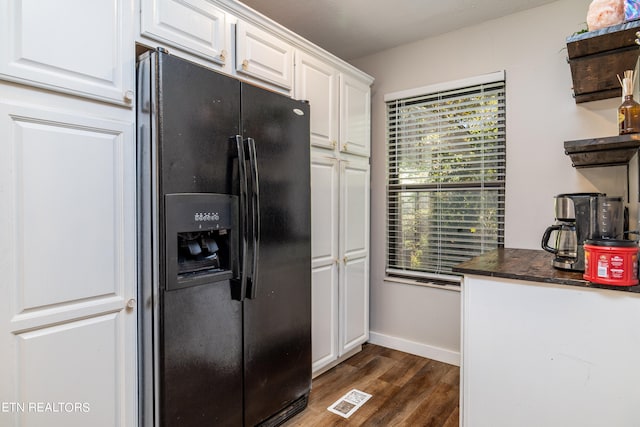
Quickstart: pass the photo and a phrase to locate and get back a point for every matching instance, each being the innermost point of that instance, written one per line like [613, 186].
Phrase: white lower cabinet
[354, 252]
[67, 270]
[541, 354]
[325, 196]
[340, 261]
[324, 285]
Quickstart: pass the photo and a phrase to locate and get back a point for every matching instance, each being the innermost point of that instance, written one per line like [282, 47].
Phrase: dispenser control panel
[201, 238]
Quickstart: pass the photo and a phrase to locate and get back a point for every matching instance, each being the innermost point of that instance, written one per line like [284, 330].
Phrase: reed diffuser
[629, 110]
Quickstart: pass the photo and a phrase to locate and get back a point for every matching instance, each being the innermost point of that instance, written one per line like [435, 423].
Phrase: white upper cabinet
[317, 82]
[74, 46]
[340, 105]
[355, 116]
[263, 56]
[195, 26]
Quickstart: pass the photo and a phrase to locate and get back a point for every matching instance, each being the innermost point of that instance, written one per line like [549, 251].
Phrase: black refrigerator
[224, 295]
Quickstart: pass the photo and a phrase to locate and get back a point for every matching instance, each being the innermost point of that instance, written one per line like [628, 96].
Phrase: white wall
[541, 114]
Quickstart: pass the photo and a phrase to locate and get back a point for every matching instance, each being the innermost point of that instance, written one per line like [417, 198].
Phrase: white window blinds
[446, 178]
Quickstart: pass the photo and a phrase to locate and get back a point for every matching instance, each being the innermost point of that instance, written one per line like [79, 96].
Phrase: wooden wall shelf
[597, 57]
[608, 151]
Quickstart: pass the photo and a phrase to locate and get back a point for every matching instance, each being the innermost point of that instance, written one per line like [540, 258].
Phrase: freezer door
[277, 311]
[198, 111]
[201, 357]
[199, 326]
[202, 323]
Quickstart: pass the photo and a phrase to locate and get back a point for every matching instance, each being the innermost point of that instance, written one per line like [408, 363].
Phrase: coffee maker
[580, 217]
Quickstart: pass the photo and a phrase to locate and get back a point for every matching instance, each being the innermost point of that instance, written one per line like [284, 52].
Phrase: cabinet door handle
[128, 96]
[245, 64]
[131, 304]
[223, 55]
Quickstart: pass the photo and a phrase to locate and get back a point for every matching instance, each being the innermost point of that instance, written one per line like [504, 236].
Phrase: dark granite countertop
[528, 264]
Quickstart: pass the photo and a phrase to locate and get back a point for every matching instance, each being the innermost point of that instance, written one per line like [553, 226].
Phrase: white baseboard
[412, 347]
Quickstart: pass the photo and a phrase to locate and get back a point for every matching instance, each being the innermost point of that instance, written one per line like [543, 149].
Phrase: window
[446, 175]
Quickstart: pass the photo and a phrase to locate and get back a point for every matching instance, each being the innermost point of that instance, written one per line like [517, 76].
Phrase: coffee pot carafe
[565, 246]
[579, 217]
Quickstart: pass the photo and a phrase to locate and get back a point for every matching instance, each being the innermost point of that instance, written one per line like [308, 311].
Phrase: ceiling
[352, 29]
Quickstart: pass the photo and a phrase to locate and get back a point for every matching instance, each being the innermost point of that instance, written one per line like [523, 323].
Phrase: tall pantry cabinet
[340, 140]
[67, 213]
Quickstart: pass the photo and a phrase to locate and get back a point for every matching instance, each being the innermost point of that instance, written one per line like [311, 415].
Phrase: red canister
[611, 262]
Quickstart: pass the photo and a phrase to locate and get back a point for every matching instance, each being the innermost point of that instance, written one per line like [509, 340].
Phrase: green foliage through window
[446, 178]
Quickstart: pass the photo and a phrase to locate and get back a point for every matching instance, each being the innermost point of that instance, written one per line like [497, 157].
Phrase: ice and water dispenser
[201, 239]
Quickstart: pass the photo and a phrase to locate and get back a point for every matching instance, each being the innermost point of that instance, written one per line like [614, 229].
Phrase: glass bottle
[628, 114]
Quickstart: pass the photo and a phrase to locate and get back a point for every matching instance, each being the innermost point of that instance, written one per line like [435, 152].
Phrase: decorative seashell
[605, 13]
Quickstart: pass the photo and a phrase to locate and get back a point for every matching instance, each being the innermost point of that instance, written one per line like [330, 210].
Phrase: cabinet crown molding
[244, 12]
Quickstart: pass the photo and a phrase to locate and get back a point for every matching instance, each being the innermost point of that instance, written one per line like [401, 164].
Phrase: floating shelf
[596, 57]
[608, 151]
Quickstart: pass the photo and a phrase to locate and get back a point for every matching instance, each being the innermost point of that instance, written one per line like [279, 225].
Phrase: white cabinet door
[67, 270]
[317, 82]
[354, 253]
[263, 56]
[355, 116]
[324, 257]
[324, 315]
[196, 26]
[354, 303]
[80, 47]
[340, 255]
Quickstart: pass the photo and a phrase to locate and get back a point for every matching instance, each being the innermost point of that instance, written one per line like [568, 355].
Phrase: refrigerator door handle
[252, 284]
[239, 289]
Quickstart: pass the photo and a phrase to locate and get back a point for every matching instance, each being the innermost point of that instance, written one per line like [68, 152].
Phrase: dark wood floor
[406, 390]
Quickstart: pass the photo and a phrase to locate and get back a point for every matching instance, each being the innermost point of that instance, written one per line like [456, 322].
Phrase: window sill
[407, 281]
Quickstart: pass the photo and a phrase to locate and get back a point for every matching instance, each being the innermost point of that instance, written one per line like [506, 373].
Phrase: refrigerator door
[199, 360]
[277, 312]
